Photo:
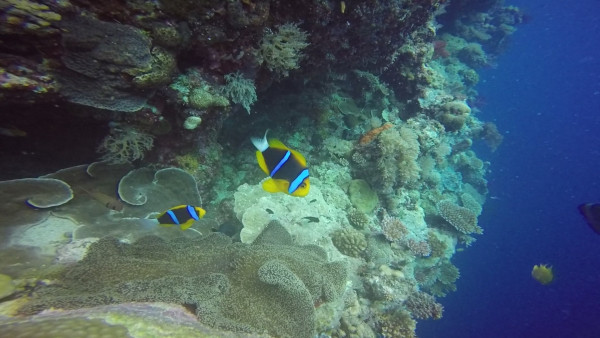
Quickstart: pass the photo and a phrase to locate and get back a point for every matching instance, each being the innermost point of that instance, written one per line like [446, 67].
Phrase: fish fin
[166, 225]
[187, 224]
[261, 162]
[275, 143]
[299, 157]
[303, 190]
[271, 185]
[260, 143]
[201, 212]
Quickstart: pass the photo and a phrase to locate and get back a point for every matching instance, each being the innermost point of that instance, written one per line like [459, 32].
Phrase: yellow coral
[188, 162]
[30, 16]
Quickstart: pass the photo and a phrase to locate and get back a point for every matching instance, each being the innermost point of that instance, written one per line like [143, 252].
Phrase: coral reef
[123, 320]
[27, 201]
[240, 90]
[424, 306]
[107, 52]
[380, 99]
[125, 145]
[281, 51]
[246, 288]
[349, 241]
[462, 219]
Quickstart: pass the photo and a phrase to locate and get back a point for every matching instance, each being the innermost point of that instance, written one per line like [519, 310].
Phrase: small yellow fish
[542, 273]
[182, 215]
[343, 6]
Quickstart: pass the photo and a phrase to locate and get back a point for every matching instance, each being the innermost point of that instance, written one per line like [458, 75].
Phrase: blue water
[545, 96]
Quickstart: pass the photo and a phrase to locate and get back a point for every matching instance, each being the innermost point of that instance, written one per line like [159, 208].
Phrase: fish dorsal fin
[275, 143]
[299, 157]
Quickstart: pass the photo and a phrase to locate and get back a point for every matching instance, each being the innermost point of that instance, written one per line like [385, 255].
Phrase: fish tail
[261, 144]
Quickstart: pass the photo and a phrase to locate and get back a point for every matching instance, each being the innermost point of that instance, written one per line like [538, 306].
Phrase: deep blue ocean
[544, 95]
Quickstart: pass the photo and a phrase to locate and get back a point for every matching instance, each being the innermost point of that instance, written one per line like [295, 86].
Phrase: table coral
[20, 198]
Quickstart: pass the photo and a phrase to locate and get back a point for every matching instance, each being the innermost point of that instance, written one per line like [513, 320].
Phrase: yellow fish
[542, 273]
[182, 215]
[286, 167]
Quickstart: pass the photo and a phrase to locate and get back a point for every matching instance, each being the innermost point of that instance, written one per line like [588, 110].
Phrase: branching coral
[461, 218]
[124, 145]
[282, 51]
[423, 306]
[398, 324]
[393, 229]
[240, 90]
[357, 219]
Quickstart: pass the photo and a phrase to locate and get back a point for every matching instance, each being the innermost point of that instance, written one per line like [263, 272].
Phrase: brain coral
[264, 287]
[349, 241]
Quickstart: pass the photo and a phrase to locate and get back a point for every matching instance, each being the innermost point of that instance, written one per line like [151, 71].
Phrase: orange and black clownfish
[182, 215]
[286, 167]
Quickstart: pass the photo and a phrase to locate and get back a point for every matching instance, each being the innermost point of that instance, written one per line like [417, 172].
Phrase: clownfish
[286, 167]
[182, 215]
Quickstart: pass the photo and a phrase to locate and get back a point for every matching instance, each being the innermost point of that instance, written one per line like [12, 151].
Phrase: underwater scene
[316, 168]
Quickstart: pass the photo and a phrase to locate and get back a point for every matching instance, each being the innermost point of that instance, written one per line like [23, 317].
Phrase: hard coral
[423, 306]
[282, 51]
[240, 90]
[461, 218]
[349, 241]
[125, 145]
[392, 227]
